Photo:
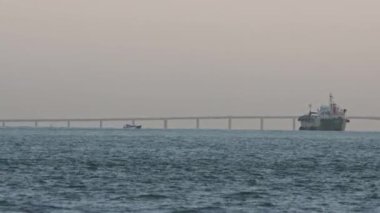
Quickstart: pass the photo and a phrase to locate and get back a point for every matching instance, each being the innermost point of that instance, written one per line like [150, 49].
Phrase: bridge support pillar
[261, 124]
[68, 124]
[229, 123]
[3, 124]
[100, 124]
[197, 123]
[35, 123]
[294, 124]
[165, 124]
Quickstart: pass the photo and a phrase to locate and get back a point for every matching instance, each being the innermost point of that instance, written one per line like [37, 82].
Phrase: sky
[123, 58]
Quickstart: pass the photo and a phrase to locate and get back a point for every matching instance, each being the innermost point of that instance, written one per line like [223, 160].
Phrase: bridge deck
[171, 118]
[166, 119]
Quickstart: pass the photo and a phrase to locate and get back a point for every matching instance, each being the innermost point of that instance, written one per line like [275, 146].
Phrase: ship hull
[327, 124]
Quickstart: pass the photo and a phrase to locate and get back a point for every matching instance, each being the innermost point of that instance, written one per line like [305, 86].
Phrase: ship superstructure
[327, 118]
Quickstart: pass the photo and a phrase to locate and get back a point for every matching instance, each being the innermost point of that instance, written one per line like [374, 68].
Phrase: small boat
[131, 126]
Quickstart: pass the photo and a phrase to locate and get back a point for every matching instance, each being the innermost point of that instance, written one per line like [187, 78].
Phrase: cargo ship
[327, 118]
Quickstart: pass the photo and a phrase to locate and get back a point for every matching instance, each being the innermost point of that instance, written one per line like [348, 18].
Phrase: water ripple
[88, 170]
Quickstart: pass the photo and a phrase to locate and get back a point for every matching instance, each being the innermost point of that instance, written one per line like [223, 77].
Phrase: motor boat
[131, 126]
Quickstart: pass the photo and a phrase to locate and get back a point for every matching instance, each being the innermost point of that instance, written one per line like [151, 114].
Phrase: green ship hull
[327, 124]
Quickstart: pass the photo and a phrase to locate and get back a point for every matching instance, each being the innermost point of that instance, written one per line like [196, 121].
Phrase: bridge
[165, 120]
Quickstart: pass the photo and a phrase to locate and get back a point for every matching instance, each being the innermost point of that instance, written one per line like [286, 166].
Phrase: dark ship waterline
[327, 118]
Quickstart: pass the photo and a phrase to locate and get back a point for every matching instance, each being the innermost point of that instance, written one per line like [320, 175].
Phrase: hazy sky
[110, 58]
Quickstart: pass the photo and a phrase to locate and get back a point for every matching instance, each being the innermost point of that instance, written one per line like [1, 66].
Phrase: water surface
[92, 170]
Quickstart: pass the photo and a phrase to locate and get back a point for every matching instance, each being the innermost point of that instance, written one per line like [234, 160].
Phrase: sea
[147, 170]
